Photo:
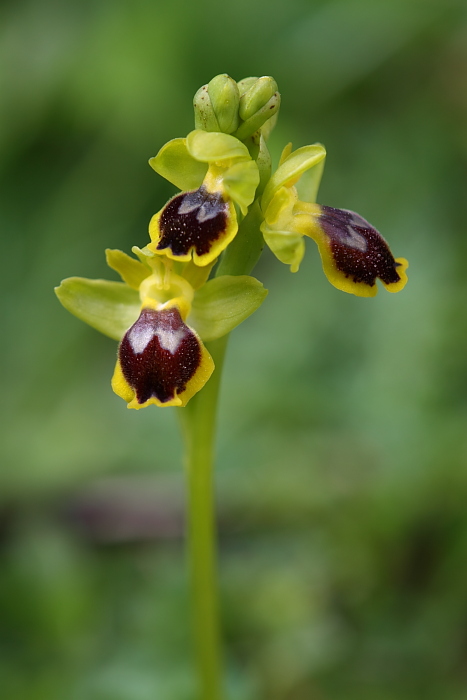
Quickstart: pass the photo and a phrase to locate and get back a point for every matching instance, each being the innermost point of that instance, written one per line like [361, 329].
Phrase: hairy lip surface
[358, 249]
[158, 355]
[192, 220]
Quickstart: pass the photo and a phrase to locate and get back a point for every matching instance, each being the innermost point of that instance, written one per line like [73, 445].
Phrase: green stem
[198, 420]
[199, 423]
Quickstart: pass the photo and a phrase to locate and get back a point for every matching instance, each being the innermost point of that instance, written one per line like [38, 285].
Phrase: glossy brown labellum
[158, 355]
[358, 250]
[193, 220]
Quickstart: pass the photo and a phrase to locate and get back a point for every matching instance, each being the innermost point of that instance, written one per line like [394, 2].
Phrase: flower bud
[257, 105]
[205, 118]
[257, 96]
[245, 84]
[225, 98]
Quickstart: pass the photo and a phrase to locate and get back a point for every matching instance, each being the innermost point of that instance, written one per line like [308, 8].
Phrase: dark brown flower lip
[359, 251]
[158, 355]
[194, 219]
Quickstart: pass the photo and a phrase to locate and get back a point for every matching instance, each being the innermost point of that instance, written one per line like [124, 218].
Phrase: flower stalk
[190, 286]
[199, 429]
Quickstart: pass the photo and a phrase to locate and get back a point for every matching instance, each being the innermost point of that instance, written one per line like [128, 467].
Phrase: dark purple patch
[192, 220]
[158, 355]
[359, 251]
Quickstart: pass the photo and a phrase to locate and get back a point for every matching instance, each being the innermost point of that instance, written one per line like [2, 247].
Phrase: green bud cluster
[242, 109]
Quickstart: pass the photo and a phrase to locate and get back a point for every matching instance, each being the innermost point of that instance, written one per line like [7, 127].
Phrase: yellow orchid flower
[353, 252]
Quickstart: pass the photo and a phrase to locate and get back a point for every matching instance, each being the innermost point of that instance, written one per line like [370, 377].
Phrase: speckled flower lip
[160, 360]
[193, 220]
[358, 249]
[159, 355]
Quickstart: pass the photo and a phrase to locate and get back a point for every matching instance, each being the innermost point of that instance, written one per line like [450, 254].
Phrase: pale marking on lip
[205, 213]
[186, 206]
[140, 337]
[355, 240]
[169, 339]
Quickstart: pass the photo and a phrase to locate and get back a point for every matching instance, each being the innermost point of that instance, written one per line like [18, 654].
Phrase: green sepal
[308, 185]
[215, 147]
[240, 182]
[132, 271]
[205, 118]
[176, 165]
[288, 247]
[291, 169]
[223, 303]
[109, 307]
[225, 98]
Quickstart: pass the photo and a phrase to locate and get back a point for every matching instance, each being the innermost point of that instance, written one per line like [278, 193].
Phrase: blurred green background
[342, 455]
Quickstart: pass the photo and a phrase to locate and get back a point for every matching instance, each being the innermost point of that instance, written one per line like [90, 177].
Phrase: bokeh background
[342, 454]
